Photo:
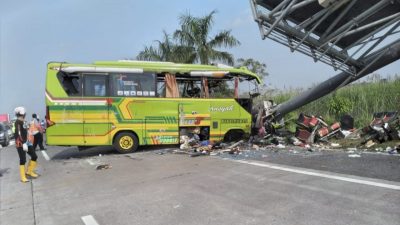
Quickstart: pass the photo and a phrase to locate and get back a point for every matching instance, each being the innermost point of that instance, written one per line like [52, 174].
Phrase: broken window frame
[201, 80]
[67, 83]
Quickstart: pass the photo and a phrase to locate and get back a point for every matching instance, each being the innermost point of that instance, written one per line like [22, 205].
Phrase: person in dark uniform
[21, 142]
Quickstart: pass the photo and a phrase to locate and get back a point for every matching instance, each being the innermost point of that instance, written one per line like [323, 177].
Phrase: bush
[339, 105]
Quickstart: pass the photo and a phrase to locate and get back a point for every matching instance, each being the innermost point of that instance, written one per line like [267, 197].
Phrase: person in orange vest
[37, 132]
[21, 143]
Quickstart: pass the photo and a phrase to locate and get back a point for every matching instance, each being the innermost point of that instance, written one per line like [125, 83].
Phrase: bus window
[248, 88]
[190, 88]
[161, 88]
[133, 85]
[221, 88]
[95, 85]
[71, 83]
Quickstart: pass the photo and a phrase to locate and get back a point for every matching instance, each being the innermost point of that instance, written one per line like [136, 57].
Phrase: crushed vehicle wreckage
[312, 132]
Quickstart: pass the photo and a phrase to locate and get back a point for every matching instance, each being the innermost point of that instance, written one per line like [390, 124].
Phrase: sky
[35, 32]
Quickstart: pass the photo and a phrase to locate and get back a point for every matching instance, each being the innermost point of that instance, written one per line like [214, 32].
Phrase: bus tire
[234, 135]
[126, 142]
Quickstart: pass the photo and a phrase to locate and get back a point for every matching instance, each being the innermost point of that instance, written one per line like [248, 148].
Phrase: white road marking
[44, 153]
[12, 142]
[89, 220]
[317, 174]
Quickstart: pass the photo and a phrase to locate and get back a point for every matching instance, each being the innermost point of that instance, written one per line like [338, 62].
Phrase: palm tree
[167, 50]
[195, 32]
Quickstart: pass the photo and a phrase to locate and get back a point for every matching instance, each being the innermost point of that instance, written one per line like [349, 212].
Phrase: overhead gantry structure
[355, 37]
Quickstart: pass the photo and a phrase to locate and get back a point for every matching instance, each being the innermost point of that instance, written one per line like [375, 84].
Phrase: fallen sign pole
[390, 53]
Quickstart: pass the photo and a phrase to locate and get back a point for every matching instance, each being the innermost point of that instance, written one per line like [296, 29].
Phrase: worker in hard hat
[21, 142]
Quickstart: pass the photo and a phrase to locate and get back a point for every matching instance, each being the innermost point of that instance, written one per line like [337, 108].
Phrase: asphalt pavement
[99, 186]
[359, 163]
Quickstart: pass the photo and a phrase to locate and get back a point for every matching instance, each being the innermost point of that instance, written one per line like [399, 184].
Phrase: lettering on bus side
[222, 109]
[167, 139]
[234, 121]
[195, 121]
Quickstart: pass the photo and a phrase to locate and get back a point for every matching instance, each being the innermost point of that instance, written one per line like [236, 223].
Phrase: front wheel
[126, 142]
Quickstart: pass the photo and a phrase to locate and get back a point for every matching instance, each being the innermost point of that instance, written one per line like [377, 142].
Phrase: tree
[254, 66]
[195, 32]
[167, 50]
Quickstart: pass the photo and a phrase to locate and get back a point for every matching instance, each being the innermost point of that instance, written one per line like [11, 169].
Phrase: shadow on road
[74, 152]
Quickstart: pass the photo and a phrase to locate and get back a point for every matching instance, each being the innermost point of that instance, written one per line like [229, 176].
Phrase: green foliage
[339, 105]
[254, 66]
[360, 100]
[167, 50]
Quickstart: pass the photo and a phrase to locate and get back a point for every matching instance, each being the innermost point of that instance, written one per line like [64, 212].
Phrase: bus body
[132, 103]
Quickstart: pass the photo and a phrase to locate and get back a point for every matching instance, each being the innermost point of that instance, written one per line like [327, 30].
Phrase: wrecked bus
[132, 103]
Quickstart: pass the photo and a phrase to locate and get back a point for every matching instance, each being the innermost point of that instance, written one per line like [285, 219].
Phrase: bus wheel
[233, 135]
[126, 142]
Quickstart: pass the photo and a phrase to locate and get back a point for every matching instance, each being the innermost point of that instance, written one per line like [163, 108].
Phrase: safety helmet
[20, 111]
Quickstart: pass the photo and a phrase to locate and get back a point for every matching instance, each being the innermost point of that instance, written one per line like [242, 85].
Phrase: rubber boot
[22, 174]
[31, 169]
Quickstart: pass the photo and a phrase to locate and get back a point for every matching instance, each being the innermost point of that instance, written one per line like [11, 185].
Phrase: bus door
[226, 116]
[96, 124]
[194, 112]
[67, 113]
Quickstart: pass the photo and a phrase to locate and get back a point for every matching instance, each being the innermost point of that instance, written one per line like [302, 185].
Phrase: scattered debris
[312, 129]
[295, 141]
[384, 126]
[180, 152]
[370, 143]
[312, 135]
[280, 146]
[214, 153]
[103, 167]
[236, 144]
[293, 151]
[335, 145]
